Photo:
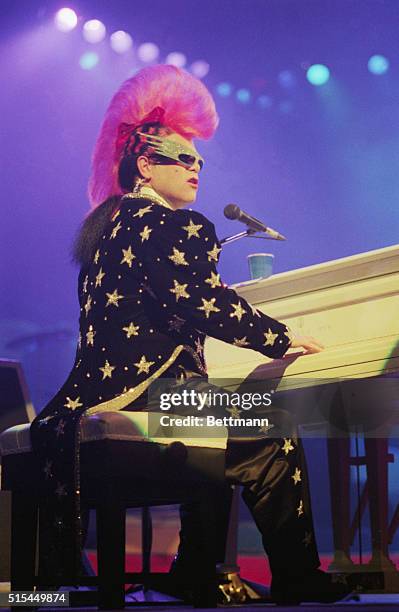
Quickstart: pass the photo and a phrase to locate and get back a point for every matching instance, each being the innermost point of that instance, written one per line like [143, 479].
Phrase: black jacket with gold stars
[148, 299]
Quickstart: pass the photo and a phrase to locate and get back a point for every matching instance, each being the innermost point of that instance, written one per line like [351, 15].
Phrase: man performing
[149, 294]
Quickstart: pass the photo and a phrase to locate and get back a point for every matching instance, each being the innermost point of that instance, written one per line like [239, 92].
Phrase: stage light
[176, 59]
[318, 74]
[224, 89]
[378, 64]
[66, 19]
[286, 106]
[243, 95]
[264, 101]
[88, 60]
[199, 69]
[120, 41]
[94, 31]
[148, 52]
[286, 79]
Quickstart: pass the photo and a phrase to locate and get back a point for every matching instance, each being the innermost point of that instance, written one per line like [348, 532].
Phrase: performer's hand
[310, 344]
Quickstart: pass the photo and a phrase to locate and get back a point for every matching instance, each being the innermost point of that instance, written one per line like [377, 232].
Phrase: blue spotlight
[265, 101]
[286, 106]
[378, 64]
[318, 74]
[286, 79]
[224, 89]
[88, 60]
[243, 96]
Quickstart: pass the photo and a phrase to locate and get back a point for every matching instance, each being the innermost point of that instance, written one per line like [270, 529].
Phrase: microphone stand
[248, 233]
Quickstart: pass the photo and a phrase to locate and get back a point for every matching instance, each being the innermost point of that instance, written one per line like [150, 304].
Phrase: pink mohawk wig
[189, 110]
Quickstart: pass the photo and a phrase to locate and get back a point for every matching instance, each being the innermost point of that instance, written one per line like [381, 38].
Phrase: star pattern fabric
[99, 277]
[296, 477]
[73, 404]
[145, 234]
[128, 256]
[287, 446]
[192, 229]
[131, 330]
[90, 336]
[143, 365]
[107, 370]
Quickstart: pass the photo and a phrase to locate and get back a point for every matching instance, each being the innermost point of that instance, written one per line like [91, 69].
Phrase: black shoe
[314, 586]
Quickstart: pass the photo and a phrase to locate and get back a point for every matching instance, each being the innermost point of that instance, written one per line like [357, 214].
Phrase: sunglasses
[172, 150]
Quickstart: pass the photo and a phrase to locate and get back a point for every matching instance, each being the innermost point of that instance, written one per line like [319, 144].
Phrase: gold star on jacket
[296, 477]
[208, 306]
[113, 298]
[192, 229]
[238, 311]
[90, 336]
[287, 447]
[131, 330]
[87, 306]
[153, 302]
[128, 256]
[143, 365]
[107, 370]
[73, 404]
[270, 338]
[115, 230]
[179, 290]
[241, 342]
[145, 234]
[214, 280]
[178, 257]
[213, 255]
[99, 277]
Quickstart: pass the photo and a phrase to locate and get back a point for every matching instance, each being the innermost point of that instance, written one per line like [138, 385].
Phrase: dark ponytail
[91, 230]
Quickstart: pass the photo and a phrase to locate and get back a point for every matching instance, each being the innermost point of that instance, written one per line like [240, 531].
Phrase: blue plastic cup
[260, 265]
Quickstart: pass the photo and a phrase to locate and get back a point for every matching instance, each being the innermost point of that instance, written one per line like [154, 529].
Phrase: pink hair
[189, 111]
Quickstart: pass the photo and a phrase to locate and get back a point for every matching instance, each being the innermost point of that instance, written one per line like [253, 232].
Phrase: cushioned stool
[121, 467]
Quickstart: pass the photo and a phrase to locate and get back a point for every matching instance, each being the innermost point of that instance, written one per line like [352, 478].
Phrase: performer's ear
[144, 167]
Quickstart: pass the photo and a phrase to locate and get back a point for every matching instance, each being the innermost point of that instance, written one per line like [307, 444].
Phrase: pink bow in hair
[126, 130]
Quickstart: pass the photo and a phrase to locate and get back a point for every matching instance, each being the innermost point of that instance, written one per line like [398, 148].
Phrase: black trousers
[274, 476]
[275, 489]
[273, 473]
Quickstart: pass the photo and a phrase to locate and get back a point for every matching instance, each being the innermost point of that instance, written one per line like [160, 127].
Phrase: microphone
[234, 212]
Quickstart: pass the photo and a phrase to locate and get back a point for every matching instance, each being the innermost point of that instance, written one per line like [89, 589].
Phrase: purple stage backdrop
[319, 163]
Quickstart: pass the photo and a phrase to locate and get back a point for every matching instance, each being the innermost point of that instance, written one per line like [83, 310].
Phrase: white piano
[352, 306]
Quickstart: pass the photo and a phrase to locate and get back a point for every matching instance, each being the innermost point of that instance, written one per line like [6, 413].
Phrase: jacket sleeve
[180, 262]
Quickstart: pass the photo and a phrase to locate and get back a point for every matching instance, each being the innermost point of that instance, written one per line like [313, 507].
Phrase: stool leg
[146, 539]
[24, 512]
[205, 593]
[111, 517]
